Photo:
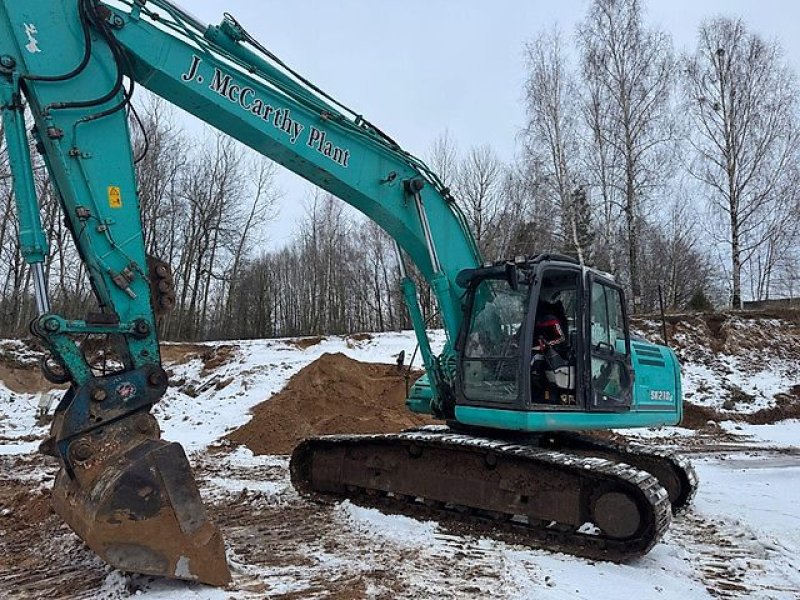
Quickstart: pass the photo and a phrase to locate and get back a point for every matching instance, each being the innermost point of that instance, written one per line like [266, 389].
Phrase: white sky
[417, 68]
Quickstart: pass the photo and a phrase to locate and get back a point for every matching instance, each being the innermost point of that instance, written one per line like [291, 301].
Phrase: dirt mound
[303, 343]
[697, 417]
[19, 367]
[334, 394]
[25, 380]
[360, 337]
[787, 406]
[213, 356]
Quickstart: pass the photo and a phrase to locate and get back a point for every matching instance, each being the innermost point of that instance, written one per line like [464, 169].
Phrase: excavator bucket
[132, 497]
[145, 515]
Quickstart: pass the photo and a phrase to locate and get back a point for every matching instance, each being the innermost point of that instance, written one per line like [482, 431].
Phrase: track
[583, 505]
[674, 471]
[285, 547]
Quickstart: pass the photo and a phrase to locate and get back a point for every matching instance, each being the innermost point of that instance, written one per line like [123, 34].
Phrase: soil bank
[334, 394]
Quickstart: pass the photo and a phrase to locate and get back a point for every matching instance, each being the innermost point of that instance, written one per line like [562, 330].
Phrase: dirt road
[282, 546]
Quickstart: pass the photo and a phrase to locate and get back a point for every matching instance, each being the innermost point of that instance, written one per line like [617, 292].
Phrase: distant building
[772, 303]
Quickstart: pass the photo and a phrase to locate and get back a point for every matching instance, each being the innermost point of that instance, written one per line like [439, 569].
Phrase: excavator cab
[544, 334]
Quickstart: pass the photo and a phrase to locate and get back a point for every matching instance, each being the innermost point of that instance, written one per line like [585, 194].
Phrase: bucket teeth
[142, 512]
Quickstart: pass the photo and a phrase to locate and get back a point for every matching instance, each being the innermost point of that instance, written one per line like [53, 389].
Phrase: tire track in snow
[732, 561]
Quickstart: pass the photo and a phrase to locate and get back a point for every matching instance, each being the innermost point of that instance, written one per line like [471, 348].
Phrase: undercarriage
[562, 492]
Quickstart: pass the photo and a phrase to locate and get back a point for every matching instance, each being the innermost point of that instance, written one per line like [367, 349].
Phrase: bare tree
[478, 189]
[527, 212]
[212, 189]
[772, 261]
[672, 256]
[742, 100]
[600, 165]
[250, 220]
[443, 158]
[163, 153]
[552, 136]
[630, 72]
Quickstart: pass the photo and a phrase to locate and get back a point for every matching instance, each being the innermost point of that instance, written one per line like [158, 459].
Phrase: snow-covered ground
[741, 538]
[733, 363]
[196, 416]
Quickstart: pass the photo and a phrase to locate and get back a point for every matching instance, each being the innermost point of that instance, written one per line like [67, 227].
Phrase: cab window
[610, 377]
[608, 321]
[492, 345]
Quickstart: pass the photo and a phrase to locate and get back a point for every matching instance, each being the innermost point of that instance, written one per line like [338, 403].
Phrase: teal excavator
[538, 350]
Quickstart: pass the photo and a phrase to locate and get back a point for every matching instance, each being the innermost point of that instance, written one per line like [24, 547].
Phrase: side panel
[657, 383]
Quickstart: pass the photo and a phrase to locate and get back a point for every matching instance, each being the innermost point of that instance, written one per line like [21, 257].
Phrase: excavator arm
[73, 65]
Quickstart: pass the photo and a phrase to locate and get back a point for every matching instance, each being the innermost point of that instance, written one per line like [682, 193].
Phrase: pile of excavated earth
[334, 394]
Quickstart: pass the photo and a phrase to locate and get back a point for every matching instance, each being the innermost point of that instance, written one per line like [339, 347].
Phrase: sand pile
[334, 394]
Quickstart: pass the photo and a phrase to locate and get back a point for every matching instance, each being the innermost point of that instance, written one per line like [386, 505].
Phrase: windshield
[491, 351]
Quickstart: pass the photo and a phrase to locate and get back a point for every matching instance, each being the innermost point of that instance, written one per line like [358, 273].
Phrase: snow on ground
[781, 434]
[730, 383]
[19, 431]
[523, 573]
[751, 521]
[261, 368]
[741, 539]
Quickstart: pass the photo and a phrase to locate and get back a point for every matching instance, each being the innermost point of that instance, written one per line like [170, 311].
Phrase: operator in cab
[552, 361]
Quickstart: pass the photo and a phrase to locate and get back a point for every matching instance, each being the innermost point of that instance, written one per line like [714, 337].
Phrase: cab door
[491, 343]
[610, 375]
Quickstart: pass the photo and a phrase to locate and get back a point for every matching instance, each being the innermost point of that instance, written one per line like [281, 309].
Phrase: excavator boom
[73, 65]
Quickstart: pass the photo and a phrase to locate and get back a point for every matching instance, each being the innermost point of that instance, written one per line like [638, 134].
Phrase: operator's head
[549, 330]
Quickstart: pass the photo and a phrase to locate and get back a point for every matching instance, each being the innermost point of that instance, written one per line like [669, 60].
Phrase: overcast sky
[416, 68]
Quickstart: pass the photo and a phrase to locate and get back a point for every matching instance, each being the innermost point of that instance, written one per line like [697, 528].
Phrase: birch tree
[552, 135]
[742, 100]
[478, 187]
[630, 67]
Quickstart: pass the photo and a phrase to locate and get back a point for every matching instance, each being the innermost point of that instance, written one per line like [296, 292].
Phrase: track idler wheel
[617, 514]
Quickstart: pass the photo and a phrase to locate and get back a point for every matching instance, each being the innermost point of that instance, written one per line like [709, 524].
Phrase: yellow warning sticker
[114, 196]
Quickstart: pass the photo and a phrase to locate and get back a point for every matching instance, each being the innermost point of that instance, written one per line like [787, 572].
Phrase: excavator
[538, 352]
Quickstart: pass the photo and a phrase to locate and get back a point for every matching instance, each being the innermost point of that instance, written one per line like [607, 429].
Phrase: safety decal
[114, 197]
